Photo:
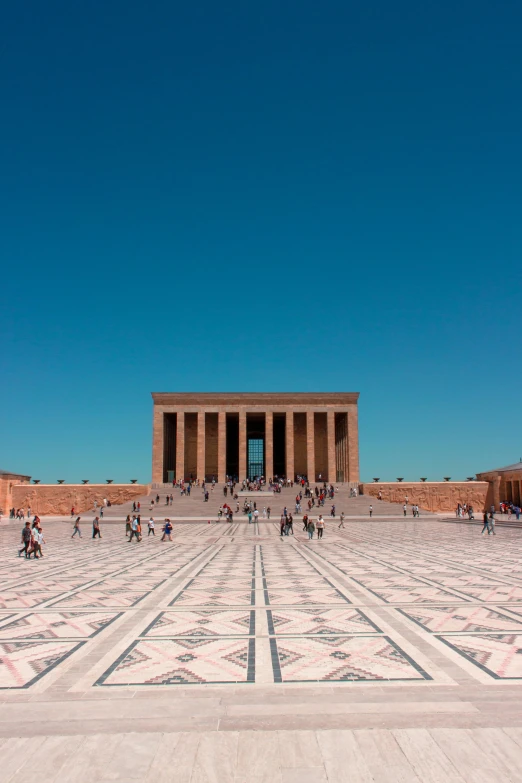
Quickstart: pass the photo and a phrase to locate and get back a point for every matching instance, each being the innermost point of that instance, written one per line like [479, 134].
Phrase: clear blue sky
[272, 196]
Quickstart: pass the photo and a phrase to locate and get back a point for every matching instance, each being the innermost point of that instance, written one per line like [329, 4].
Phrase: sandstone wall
[432, 495]
[60, 498]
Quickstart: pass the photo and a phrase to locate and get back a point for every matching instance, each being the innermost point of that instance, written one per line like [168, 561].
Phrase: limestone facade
[212, 435]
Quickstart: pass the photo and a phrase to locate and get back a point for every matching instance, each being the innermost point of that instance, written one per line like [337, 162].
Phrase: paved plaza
[388, 651]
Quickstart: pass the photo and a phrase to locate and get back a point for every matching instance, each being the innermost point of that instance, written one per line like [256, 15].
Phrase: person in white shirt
[151, 527]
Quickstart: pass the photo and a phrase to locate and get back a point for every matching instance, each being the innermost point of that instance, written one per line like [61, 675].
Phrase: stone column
[289, 448]
[330, 426]
[222, 446]
[242, 445]
[353, 445]
[157, 445]
[200, 472]
[310, 445]
[496, 492]
[269, 445]
[180, 445]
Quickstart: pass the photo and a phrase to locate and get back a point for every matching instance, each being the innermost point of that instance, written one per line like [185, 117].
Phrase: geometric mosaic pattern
[57, 625]
[22, 663]
[470, 619]
[214, 622]
[499, 655]
[338, 659]
[319, 621]
[245, 595]
[186, 661]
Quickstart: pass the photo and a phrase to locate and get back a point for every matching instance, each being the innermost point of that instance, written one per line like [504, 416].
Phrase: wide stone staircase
[195, 507]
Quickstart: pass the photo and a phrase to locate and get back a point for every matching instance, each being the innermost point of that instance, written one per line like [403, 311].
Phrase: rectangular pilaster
[242, 445]
[201, 446]
[222, 446]
[157, 446]
[290, 464]
[330, 426]
[269, 445]
[180, 446]
[353, 444]
[310, 445]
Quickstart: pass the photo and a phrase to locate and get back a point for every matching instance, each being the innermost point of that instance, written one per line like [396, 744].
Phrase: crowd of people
[32, 538]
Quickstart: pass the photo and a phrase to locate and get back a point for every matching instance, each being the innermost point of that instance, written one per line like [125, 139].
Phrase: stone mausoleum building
[214, 435]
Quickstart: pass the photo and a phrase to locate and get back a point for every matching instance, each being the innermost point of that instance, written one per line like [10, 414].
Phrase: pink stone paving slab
[100, 599]
[22, 663]
[183, 662]
[332, 622]
[57, 625]
[495, 594]
[341, 659]
[499, 655]
[213, 622]
[206, 598]
[304, 597]
[468, 619]
[410, 595]
[25, 599]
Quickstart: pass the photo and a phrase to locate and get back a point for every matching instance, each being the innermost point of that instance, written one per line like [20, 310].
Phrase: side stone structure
[431, 495]
[8, 481]
[505, 485]
[58, 499]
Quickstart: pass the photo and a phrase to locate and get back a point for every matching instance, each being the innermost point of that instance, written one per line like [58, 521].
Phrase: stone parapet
[44, 499]
[431, 495]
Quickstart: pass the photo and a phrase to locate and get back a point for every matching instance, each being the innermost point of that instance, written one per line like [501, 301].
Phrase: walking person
[128, 525]
[320, 526]
[134, 530]
[268, 512]
[26, 539]
[491, 523]
[289, 525]
[371, 510]
[342, 519]
[76, 528]
[96, 527]
[310, 529]
[151, 527]
[485, 519]
[38, 542]
[167, 531]
[404, 509]
[305, 522]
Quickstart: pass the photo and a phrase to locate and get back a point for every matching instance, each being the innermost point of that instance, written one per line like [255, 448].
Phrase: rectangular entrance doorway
[255, 461]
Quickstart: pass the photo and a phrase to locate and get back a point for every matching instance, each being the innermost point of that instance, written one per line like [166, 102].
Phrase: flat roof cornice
[255, 398]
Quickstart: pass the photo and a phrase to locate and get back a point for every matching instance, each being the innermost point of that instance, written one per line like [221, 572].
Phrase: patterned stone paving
[389, 626]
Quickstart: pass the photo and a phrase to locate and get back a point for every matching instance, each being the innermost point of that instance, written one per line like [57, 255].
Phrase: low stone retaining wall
[431, 495]
[60, 498]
